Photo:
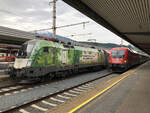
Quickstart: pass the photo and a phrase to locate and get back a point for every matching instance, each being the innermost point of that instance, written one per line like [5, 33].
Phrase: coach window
[45, 50]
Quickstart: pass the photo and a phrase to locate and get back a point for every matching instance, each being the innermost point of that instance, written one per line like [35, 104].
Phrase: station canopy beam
[14, 36]
[129, 19]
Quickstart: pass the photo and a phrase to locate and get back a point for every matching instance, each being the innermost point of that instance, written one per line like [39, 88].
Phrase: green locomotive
[41, 58]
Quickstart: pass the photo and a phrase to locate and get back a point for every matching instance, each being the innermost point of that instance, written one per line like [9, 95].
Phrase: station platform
[127, 93]
[132, 95]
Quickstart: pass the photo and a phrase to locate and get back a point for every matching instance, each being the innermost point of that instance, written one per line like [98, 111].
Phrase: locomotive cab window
[45, 50]
[25, 50]
[118, 53]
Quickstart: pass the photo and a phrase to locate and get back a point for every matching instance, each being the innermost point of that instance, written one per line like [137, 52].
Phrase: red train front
[122, 58]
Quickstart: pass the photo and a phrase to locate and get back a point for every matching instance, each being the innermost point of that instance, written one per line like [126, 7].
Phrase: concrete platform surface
[132, 95]
[127, 93]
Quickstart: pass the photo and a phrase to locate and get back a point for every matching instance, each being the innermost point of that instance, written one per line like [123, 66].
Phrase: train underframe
[119, 67]
[46, 73]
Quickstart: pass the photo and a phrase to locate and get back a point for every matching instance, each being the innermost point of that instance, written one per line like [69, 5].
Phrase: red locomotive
[122, 58]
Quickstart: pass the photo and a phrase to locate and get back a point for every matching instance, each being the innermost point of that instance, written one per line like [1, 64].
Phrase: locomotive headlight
[125, 61]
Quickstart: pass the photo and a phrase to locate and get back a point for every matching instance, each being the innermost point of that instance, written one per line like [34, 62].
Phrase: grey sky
[29, 15]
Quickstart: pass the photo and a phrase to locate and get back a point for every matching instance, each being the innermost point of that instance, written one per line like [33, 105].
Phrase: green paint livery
[46, 54]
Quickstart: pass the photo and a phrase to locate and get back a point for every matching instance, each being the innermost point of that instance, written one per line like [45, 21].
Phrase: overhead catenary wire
[80, 34]
[63, 26]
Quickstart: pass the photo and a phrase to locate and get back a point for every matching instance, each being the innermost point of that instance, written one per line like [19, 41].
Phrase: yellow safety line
[107, 88]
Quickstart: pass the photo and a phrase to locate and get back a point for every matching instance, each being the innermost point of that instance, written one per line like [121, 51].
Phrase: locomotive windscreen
[25, 50]
[118, 53]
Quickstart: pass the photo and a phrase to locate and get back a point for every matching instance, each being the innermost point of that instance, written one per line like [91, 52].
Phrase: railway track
[46, 102]
[7, 90]
[6, 81]
[15, 88]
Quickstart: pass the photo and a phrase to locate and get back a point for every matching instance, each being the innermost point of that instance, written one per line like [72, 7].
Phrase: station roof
[129, 19]
[9, 46]
[13, 36]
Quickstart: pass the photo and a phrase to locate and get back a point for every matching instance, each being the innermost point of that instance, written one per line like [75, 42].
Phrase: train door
[100, 57]
[77, 55]
[64, 56]
[46, 53]
[54, 55]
